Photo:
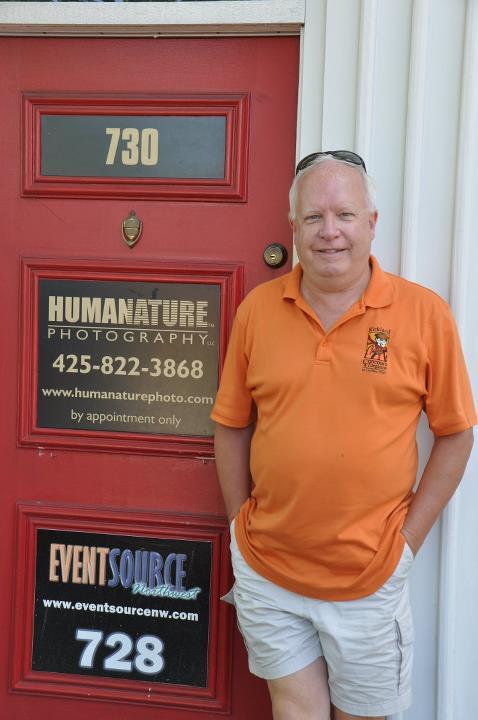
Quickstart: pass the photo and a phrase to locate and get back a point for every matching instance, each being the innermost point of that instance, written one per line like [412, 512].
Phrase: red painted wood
[100, 485]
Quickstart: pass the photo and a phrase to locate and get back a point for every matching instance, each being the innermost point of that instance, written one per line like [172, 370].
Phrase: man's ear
[372, 221]
[292, 223]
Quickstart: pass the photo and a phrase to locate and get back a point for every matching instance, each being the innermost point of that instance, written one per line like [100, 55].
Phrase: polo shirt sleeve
[234, 406]
[448, 401]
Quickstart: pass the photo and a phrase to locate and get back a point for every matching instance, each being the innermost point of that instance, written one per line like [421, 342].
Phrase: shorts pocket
[242, 634]
[228, 597]
[405, 638]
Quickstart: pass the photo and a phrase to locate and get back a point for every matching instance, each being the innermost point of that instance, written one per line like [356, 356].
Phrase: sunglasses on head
[345, 155]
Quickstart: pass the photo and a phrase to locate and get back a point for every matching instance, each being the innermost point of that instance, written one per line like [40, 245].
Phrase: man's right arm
[233, 448]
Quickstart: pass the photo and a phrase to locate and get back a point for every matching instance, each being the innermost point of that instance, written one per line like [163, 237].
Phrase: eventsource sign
[124, 356]
[120, 606]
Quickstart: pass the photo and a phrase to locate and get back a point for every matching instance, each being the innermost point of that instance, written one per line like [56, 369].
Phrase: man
[327, 372]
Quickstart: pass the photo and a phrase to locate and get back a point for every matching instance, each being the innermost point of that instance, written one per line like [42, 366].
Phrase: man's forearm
[439, 481]
[232, 449]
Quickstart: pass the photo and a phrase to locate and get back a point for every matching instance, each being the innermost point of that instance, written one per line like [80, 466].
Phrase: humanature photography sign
[135, 357]
[120, 606]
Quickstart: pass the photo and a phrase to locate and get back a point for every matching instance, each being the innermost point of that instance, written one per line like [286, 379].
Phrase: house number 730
[141, 146]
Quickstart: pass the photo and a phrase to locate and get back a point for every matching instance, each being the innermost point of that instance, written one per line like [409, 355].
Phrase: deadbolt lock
[275, 255]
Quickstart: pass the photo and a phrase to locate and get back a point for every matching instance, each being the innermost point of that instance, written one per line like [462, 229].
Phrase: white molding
[461, 278]
[311, 87]
[446, 612]
[311, 81]
[414, 138]
[367, 62]
[157, 19]
[467, 156]
[342, 32]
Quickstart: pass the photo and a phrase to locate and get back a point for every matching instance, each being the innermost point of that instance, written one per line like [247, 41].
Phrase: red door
[142, 181]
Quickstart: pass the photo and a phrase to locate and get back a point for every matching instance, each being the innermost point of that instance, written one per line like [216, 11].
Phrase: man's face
[333, 228]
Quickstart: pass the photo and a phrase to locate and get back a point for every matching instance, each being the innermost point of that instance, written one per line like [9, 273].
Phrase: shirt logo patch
[375, 358]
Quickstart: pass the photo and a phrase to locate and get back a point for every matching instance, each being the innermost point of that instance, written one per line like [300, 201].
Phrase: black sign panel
[133, 146]
[119, 606]
[125, 356]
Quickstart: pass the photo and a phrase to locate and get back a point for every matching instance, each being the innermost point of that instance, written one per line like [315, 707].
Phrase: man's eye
[312, 218]
[346, 215]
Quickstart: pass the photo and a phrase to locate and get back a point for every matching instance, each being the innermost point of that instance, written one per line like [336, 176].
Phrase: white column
[311, 87]
[454, 679]
[414, 138]
[365, 116]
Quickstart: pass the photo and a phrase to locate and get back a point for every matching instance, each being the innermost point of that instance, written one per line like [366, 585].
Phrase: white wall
[397, 80]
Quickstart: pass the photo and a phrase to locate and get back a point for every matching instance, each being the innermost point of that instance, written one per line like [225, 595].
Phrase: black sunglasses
[345, 155]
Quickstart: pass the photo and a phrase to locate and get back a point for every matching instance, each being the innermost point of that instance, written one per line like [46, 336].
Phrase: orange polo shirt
[334, 455]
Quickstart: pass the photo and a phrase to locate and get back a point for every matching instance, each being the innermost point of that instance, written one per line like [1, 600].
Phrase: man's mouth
[332, 251]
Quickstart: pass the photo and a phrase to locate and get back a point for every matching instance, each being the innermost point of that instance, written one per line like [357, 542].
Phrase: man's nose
[328, 227]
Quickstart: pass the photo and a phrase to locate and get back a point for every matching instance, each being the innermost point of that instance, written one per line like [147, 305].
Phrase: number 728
[147, 660]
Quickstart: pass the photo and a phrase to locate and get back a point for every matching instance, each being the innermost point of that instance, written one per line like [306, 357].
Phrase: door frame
[23, 683]
[144, 19]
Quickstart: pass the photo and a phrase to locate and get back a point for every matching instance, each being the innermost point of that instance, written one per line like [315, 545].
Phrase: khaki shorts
[367, 643]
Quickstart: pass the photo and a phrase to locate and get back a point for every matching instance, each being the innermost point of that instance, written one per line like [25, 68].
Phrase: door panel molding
[215, 697]
[228, 277]
[234, 108]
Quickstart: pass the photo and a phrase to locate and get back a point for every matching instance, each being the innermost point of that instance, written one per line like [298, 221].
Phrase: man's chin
[335, 265]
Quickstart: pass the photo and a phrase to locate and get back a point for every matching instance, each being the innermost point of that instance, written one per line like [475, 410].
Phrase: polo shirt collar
[378, 293]
[292, 286]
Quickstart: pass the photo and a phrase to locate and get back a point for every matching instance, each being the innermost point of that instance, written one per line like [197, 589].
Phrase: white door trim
[226, 17]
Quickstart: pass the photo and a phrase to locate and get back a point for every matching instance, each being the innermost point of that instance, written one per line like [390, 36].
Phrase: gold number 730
[143, 147]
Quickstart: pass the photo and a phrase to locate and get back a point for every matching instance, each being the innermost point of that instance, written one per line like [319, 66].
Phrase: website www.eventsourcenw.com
[121, 610]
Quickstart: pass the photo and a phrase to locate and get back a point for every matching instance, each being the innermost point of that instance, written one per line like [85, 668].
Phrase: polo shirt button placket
[323, 351]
